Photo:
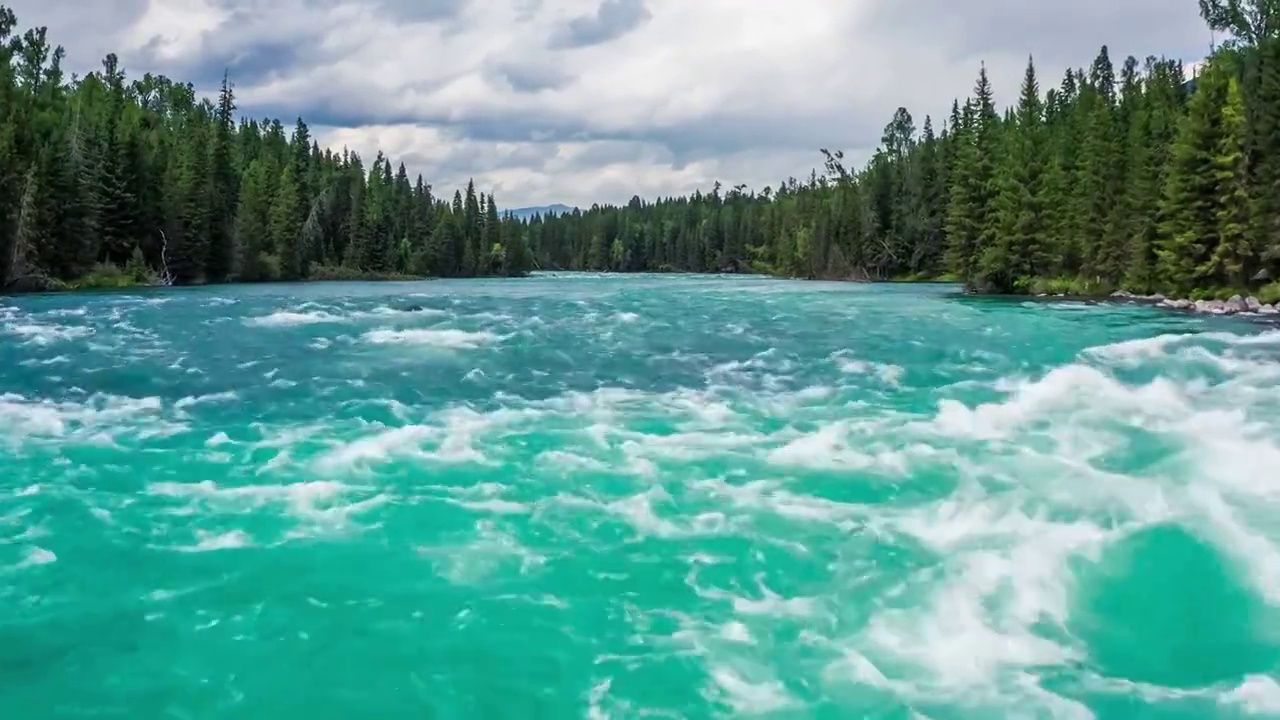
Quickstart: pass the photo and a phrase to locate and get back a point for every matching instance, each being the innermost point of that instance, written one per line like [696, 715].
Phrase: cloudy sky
[582, 101]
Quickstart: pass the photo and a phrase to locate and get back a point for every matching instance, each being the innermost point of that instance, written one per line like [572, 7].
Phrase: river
[590, 496]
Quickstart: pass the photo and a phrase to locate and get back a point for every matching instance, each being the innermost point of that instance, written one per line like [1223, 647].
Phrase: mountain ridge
[524, 213]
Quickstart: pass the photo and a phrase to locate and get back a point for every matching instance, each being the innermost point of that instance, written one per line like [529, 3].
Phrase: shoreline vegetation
[1143, 181]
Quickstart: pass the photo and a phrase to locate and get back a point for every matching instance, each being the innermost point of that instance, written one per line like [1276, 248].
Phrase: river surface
[621, 497]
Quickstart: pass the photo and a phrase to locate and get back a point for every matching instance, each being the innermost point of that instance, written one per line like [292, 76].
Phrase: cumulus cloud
[611, 20]
[580, 101]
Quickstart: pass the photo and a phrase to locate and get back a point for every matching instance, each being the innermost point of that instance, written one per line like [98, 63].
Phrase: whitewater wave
[310, 314]
[44, 334]
[22, 418]
[447, 339]
[285, 318]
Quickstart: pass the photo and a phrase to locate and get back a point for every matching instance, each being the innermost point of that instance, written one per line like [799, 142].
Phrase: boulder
[1252, 304]
[1122, 295]
[1235, 304]
[1213, 307]
[1183, 304]
[31, 284]
[1269, 310]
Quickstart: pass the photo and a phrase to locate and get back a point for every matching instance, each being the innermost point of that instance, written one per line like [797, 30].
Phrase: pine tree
[223, 192]
[473, 222]
[254, 260]
[1097, 181]
[1264, 142]
[1018, 255]
[284, 228]
[300, 152]
[188, 208]
[970, 221]
[961, 225]
[1231, 263]
[492, 238]
[1189, 231]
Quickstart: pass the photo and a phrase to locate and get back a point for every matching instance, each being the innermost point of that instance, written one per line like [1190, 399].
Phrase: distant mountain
[525, 213]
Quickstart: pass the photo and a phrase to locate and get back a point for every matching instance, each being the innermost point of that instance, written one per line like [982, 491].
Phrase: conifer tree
[188, 207]
[492, 238]
[1190, 227]
[970, 220]
[1231, 263]
[285, 230]
[223, 193]
[254, 261]
[1264, 144]
[1017, 254]
[473, 224]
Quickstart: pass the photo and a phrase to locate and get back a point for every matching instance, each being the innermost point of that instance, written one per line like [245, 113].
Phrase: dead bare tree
[167, 277]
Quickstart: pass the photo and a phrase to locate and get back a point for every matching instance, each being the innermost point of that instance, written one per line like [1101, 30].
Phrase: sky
[585, 101]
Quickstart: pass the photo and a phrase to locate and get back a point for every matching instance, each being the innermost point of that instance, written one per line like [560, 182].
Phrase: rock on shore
[1235, 305]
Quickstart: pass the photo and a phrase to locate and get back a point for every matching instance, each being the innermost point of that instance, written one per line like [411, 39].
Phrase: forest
[1144, 178]
[1139, 179]
[105, 181]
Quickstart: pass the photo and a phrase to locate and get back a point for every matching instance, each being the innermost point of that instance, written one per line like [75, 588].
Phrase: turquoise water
[620, 497]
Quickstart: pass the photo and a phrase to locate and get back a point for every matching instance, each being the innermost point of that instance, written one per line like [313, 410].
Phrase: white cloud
[595, 100]
[172, 27]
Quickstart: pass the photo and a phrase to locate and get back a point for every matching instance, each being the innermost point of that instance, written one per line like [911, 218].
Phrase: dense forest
[1135, 178]
[105, 181]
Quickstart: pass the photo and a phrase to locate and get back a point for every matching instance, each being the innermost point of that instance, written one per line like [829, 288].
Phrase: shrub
[344, 273]
[1073, 286]
[107, 276]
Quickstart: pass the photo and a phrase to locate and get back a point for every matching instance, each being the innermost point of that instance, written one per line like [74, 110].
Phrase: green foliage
[107, 276]
[285, 226]
[1270, 293]
[350, 274]
[1068, 286]
[1191, 205]
[1134, 179]
[101, 173]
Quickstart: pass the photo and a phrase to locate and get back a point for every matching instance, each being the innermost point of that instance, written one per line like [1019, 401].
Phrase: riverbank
[1245, 306]
[118, 279]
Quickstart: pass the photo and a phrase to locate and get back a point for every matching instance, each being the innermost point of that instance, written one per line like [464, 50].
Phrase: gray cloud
[613, 19]
[1055, 32]
[529, 78]
[245, 66]
[420, 10]
[86, 29]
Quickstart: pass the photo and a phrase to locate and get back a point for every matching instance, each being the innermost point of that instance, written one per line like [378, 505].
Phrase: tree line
[120, 181]
[1136, 178]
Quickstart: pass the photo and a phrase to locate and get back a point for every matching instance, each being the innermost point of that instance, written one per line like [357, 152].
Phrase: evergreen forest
[1139, 177]
[105, 181]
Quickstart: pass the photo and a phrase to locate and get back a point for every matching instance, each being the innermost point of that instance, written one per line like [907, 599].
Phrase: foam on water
[635, 496]
[447, 338]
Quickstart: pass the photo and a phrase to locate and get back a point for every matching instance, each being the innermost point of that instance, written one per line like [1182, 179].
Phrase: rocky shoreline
[1235, 305]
